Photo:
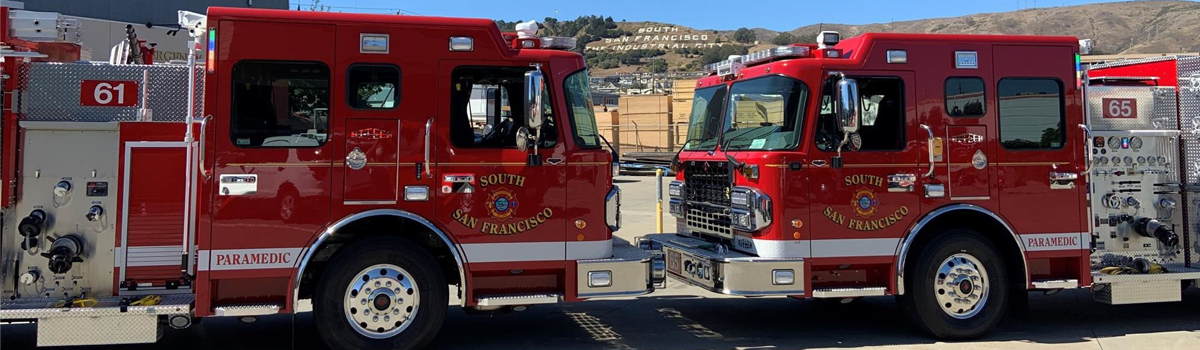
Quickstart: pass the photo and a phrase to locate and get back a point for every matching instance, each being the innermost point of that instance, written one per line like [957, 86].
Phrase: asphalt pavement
[683, 317]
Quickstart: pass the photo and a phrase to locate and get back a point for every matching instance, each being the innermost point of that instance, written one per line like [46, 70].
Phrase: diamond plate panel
[131, 329]
[1189, 116]
[50, 91]
[1139, 292]
[1155, 108]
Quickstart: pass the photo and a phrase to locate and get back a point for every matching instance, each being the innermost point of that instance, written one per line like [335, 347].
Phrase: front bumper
[626, 273]
[699, 263]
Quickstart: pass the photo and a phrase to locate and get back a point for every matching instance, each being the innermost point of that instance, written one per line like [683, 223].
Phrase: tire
[964, 254]
[353, 272]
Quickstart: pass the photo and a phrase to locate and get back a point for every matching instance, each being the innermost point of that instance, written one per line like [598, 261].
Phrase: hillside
[1116, 28]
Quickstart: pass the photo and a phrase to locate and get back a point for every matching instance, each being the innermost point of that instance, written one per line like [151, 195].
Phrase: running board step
[518, 299]
[1056, 284]
[849, 292]
[247, 310]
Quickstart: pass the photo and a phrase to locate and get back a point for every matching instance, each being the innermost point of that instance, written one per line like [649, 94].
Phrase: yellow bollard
[658, 175]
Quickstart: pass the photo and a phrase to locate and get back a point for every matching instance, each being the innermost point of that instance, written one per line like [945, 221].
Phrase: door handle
[428, 146]
[929, 145]
[203, 133]
[1062, 181]
[1087, 148]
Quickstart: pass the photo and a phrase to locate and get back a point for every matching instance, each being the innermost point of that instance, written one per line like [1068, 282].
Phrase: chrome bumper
[696, 262]
[626, 273]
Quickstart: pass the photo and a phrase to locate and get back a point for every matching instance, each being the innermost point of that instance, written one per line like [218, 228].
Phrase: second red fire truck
[371, 169]
[957, 172]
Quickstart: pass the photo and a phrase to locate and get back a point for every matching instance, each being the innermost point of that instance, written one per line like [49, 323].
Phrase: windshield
[583, 118]
[703, 124]
[765, 114]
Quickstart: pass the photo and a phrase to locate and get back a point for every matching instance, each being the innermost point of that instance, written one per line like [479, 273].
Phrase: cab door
[862, 209]
[273, 148]
[1041, 147]
[499, 208]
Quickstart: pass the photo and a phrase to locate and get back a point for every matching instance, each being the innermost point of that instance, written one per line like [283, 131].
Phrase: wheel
[381, 294]
[958, 288]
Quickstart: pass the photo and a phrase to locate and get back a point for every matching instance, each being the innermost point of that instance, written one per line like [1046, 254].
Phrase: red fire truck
[957, 172]
[302, 161]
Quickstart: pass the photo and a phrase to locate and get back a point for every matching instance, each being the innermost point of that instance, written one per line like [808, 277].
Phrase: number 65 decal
[1119, 108]
[108, 93]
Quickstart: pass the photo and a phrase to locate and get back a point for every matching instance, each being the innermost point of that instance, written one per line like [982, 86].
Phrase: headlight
[675, 189]
[751, 209]
[675, 207]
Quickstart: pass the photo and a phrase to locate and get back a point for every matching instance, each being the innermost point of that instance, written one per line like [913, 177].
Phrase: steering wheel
[500, 133]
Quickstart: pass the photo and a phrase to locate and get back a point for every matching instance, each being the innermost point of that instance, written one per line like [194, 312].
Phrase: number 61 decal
[108, 93]
[1119, 108]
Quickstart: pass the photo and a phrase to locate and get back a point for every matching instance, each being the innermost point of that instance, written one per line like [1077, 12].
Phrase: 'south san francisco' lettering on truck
[502, 205]
[865, 206]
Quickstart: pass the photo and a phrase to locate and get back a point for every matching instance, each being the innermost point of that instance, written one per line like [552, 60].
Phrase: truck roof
[468, 24]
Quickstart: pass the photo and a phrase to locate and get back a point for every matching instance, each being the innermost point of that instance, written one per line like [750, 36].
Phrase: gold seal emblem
[501, 205]
[864, 203]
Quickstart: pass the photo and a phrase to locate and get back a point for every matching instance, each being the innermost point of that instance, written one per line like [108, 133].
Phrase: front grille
[707, 182]
[706, 191]
[711, 220]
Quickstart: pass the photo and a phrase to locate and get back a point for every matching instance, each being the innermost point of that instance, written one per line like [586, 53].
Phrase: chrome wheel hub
[961, 286]
[381, 301]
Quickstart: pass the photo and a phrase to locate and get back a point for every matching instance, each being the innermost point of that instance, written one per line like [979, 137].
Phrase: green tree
[744, 35]
[784, 38]
[658, 65]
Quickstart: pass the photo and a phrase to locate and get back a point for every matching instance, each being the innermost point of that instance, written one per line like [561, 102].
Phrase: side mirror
[847, 107]
[535, 86]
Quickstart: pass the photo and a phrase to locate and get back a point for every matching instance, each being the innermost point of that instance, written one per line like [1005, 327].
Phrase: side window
[486, 106]
[279, 104]
[1031, 113]
[372, 86]
[883, 115]
[964, 97]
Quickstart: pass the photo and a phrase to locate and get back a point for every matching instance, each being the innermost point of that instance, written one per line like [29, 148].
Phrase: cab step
[519, 299]
[1056, 284]
[849, 292]
[247, 310]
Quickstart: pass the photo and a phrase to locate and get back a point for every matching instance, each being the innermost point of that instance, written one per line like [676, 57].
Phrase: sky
[699, 14]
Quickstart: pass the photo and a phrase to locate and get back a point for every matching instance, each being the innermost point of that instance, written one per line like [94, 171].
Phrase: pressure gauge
[1162, 160]
[1116, 160]
[1128, 160]
[1152, 160]
[1114, 142]
[1141, 160]
[1132, 202]
[1135, 142]
[1102, 160]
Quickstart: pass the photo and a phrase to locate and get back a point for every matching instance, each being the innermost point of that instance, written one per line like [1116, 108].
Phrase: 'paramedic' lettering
[1064, 241]
[253, 259]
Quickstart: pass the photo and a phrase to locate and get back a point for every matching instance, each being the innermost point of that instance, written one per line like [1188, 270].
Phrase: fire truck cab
[953, 171]
[305, 161]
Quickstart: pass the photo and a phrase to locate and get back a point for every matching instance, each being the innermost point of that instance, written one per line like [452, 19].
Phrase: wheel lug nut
[364, 301]
[375, 319]
[389, 284]
[386, 318]
[376, 284]
[395, 311]
[397, 290]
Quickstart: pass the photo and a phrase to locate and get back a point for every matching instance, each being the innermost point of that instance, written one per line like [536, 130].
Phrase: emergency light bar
[736, 63]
